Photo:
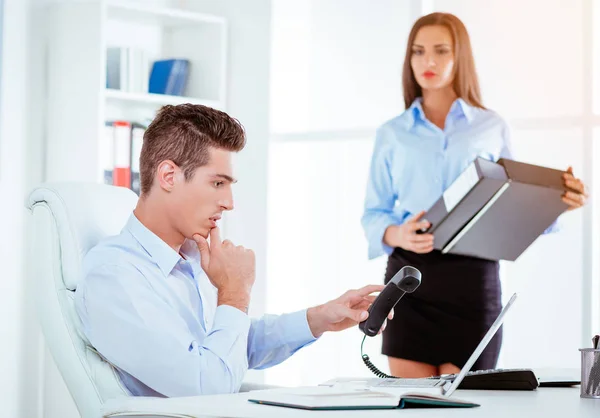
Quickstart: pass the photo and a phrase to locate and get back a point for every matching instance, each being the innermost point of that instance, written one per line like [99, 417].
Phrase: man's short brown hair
[184, 135]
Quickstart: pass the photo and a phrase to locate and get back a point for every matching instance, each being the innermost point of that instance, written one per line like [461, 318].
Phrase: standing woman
[417, 155]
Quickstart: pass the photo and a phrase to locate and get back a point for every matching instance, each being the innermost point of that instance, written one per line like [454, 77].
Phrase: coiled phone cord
[371, 366]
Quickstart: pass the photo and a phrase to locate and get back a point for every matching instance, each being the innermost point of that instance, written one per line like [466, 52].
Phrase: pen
[593, 378]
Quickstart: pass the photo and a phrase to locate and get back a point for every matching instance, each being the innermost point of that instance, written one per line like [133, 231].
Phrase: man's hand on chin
[343, 312]
[231, 269]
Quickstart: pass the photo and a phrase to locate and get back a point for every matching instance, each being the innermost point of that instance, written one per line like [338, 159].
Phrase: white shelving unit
[152, 99]
[79, 103]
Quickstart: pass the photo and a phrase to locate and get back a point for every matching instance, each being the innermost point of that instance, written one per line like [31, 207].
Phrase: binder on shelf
[106, 153]
[138, 70]
[127, 69]
[119, 153]
[122, 144]
[169, 77]
[497, 210]
[137, 138]
[116, 68]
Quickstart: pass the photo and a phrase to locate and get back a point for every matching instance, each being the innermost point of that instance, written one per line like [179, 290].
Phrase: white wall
[21, 167]
[17, 382]
[337, 65]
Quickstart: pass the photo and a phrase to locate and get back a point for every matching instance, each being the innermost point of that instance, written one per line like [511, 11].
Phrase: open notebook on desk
[336, 398]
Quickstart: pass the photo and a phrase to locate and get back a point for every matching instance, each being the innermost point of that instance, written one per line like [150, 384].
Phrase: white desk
[543, 403]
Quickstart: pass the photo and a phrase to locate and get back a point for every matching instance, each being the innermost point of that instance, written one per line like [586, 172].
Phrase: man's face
[197, 204]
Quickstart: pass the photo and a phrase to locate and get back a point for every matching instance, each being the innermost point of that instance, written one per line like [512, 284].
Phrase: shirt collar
[415, 112]
[163, 255]
[460, 107]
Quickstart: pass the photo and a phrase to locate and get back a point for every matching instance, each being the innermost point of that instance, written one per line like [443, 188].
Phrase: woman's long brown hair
[466, 84]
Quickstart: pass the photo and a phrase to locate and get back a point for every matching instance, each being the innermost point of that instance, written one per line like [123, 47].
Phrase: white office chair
[69, 219]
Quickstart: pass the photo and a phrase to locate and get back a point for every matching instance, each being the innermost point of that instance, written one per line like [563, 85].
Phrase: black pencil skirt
[446, 317]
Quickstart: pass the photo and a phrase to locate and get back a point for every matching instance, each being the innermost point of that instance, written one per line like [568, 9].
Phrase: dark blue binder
[168, 76]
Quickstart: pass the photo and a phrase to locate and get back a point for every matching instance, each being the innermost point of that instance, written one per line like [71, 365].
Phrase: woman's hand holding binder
[576, 198]
[405, 236]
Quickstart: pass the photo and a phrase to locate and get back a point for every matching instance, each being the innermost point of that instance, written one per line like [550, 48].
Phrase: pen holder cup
[590, 373]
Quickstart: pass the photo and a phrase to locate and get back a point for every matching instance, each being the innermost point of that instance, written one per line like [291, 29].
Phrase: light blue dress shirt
[153, 315]
[414, 161]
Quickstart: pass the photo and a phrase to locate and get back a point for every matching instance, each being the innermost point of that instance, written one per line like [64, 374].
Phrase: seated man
[166, 301]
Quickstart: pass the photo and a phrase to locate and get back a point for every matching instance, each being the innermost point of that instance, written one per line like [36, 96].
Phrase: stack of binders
[495, 211]
[120, 150]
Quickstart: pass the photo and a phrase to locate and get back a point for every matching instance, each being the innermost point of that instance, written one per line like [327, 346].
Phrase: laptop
[447, 384]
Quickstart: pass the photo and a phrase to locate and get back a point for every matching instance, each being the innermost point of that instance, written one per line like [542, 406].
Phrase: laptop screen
[482, 344]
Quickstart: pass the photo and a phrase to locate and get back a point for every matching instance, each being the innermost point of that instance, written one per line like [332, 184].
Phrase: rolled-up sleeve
[141, 334]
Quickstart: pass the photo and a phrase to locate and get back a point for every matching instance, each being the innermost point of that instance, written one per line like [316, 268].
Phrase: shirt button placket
[439, 164]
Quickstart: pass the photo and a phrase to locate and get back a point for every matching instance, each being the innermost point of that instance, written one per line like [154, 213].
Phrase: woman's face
[432, 58]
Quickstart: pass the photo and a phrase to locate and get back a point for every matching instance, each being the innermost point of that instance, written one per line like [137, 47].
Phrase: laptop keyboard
[409, 383]
[486, 372]
[435, 381]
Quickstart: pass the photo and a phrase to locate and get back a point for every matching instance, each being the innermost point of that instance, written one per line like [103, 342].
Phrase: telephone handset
[405, 281]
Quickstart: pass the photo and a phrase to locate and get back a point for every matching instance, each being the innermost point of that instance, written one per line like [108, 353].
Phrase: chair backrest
[68, 219]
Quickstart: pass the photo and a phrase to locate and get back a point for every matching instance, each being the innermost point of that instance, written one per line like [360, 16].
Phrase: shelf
[158, 15]
[151, 99]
